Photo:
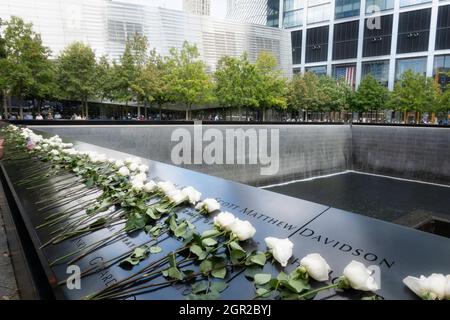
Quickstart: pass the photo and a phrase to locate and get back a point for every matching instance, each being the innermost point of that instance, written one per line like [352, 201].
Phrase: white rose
[209, 205]
[434, 287]
[140, 176]
[316, 267]
[166, 186]
[131, 160]
[242, 229]
[137, 185]
[119, 164]
[133, 166]
[150, 186]
[143, 168]
[359, 277]
[281, 249]
[447, 288]
[224, 220]
[54, 152]
[177, 197]
[124, 172]
[192, 194]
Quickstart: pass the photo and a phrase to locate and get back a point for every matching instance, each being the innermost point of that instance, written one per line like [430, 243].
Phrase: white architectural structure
[105, 25]
[200, 7]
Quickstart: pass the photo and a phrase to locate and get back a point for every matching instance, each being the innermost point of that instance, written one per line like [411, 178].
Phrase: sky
[218, 7]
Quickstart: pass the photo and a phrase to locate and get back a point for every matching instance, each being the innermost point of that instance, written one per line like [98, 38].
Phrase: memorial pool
[399, 201]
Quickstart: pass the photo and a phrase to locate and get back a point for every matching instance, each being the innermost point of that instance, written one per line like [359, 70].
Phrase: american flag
[348, 73]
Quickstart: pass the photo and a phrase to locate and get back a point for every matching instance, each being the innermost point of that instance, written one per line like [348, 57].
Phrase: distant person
[57, 116]
[39, 117]
[49, 116]
[28, 116]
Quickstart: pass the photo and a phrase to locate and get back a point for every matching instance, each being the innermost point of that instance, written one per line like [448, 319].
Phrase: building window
[345, 40]
[378, 5]
[317, 44]
[273, 13]
[441, 70]
[346, 8]
[443, 28]
[418, 65]
[293, 13]
[413, 31]
[319, 13]
[296, 38]
[407, 3]
[318, 70]
[377, 41]
[378, 69]
[345, 72]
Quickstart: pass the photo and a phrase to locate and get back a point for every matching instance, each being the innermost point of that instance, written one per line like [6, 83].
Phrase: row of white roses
[436, 286]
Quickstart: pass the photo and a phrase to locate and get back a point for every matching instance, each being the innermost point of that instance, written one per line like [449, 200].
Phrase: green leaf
[180, 230]
[198, 251]
[155, 249]
[209, 242]
[259, 258]
[250, 271]
[200, 287]
[219, 273]
[236, 247]
[218, 286]
[140, 252]
[174, 273]
[262, 278]
[206, 266]
[282, 276]
[89, 183]
[152, 213]
[262, 292]
[297, 285]
[210, 233]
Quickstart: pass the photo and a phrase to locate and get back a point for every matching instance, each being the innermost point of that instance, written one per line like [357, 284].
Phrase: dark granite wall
[417, 153]
[305, 151]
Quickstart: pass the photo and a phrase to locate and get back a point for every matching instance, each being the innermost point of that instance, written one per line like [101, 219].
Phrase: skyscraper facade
[352, 38]
[199, 7]
[261, 12]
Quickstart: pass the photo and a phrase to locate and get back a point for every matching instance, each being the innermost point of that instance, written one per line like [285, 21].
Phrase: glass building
[106, 25]
[349, 39]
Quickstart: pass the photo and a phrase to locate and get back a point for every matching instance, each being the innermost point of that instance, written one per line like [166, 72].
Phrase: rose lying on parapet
[434, 287]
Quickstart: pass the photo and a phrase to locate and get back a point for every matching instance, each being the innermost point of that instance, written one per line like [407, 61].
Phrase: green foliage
[76, 73]
[26, 68]
[371, 95]
[415, 92]
[188, 81]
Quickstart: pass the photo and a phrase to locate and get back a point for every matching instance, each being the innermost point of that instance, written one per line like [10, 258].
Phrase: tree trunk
[264, 114]
[160, 111]
[405, 117]
[240, 113]
[86, 106]
[139, 110]
[5, 105]
[145, 110]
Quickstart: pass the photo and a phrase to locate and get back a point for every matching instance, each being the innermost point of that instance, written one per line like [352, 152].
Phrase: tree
[103, 78]
[415, 92]
[189, 82]
[127, 74]
[271, 85]
[29, 71]
[304, 94]
[76, 74]
[3, 73]
[153, 81]
[371, 95]
[236, 82]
